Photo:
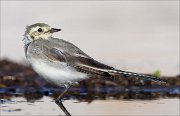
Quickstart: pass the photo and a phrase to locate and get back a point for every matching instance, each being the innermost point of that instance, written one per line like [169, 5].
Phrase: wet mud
[18, 80]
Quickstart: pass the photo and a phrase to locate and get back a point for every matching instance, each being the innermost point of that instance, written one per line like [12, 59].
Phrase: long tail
[132, 74]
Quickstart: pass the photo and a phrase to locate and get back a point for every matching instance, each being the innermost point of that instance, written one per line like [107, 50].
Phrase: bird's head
[39, 31]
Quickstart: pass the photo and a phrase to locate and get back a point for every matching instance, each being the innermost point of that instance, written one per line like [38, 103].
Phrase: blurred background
[137, 36]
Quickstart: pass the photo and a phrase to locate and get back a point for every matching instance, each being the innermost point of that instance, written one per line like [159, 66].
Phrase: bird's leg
[59, 102]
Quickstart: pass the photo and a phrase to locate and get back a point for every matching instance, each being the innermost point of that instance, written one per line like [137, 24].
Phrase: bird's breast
[57, 74]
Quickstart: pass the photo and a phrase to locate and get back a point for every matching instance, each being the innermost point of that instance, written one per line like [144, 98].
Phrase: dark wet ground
[17, 80]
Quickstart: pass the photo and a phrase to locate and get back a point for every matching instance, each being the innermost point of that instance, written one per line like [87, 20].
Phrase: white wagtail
[62, 63]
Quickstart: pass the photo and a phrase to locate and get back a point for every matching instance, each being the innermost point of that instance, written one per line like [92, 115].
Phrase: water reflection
[46, 106]
[19, 84]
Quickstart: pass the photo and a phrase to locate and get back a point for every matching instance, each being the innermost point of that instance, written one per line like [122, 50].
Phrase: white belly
[59, 76]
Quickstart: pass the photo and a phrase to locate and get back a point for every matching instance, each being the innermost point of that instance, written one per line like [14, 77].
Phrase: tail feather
[141, 76]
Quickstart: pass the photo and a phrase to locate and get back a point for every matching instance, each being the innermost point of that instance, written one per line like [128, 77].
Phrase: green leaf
[157, 73]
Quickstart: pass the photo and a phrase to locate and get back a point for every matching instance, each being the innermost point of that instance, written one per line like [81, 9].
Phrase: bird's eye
[40, 30]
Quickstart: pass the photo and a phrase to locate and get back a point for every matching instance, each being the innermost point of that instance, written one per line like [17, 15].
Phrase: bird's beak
[54, 30]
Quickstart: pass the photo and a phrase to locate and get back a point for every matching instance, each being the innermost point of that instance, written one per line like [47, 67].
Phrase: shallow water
[138, 101]
[23, 92]
[46, 106]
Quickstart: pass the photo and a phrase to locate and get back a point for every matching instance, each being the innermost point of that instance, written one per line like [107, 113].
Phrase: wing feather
[54, 54]
[80, 62]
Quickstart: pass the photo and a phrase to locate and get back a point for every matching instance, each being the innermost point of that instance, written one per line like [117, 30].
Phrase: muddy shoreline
[20, 80]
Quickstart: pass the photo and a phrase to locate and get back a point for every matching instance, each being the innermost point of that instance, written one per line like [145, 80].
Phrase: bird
[62, 63]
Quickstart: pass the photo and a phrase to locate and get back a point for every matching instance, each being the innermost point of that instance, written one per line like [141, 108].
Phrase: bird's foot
[61, 106]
